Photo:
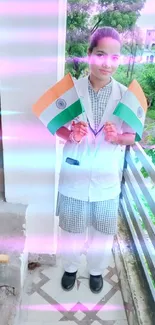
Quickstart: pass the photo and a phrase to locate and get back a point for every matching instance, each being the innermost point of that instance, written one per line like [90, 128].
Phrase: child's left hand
[110, 132]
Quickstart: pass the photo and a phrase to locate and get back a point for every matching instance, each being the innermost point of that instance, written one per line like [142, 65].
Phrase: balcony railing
[137, 205]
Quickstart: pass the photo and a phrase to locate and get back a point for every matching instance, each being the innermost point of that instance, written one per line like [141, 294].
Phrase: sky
[147, 19]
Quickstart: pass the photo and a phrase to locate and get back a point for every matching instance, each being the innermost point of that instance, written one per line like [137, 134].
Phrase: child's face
[104, 59]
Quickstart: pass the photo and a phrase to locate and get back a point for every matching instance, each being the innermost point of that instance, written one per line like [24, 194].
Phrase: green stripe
[128, 116]
[65, 116]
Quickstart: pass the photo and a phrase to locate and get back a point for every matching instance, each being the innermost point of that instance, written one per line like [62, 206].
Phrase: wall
[1, 162]
[32, 55]
[150, 38]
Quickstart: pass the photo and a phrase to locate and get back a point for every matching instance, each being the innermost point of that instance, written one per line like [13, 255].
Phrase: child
[89, 189]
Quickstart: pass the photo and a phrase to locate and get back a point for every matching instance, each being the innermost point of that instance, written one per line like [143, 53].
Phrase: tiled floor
[45, 303]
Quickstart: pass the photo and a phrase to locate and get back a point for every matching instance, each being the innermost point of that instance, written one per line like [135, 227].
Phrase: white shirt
[97, 178]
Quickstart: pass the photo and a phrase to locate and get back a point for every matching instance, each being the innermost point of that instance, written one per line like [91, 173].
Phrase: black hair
[102, 33]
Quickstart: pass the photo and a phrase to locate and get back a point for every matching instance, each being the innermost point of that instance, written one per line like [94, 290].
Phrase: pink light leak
[42, 243]
[18, 67]
[81, 307]
[39, 65]
[36, 244]
[28, 8]
[28, 134]
[149, 8]
[30, 35]
[12, 243]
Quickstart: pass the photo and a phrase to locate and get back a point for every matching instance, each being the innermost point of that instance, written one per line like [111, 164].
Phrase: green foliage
[73, 65]
[79, 48]
[76, 19]
[120, 75]
[145, 75]
[119, 20]
[149, 211]
[78, 16]
[151, 113]
[144, 172]
[152, 218]
[149, 271]
[147, 81]
[150, 214]
[150, 153]
[148, 127]
[76, 73]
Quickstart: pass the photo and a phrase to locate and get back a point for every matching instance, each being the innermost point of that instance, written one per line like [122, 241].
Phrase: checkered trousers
[76, 215]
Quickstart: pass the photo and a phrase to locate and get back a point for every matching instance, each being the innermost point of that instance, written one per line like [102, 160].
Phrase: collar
[82, 88]
[108, 86]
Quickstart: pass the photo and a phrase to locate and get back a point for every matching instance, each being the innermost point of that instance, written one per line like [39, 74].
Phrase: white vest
[97, 178]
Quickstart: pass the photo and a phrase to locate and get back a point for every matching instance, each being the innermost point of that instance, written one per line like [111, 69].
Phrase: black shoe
[68, 281]
[96, 283]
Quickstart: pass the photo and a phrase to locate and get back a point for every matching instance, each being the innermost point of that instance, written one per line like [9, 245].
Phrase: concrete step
[13, 263]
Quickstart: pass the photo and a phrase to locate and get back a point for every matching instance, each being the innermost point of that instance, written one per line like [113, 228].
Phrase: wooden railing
[137, 205]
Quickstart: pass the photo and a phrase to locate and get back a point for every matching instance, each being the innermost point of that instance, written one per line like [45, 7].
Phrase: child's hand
[110, 132]
[79, 130]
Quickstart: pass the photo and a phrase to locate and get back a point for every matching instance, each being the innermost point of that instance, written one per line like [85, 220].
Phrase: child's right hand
[80, 130]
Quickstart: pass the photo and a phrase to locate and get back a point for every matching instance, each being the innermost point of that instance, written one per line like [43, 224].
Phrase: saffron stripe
[52, 94]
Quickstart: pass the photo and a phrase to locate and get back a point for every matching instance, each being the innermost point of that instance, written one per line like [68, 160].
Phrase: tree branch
[95, 26]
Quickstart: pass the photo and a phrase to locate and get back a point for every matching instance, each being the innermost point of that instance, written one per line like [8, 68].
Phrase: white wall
[32, 49]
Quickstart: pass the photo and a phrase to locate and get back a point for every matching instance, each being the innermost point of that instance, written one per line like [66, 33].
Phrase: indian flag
[132, 108]
[59, 105]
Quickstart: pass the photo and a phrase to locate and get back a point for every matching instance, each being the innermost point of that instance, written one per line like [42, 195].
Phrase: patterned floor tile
[79, 315]
[106, 271]
[40, 310]
[114, 278]
[53, 286]
[36, 279]
[53, 272]
[113, 309]
[49, 304]
[67, 299]
[89, 299]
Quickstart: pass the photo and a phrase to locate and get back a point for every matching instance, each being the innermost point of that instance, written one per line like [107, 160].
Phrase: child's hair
[102, 33]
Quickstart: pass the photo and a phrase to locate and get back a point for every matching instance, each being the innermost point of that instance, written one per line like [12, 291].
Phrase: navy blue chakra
[61, 103]
[140, 112]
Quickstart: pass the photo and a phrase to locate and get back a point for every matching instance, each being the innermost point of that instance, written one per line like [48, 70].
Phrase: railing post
[127, 149]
